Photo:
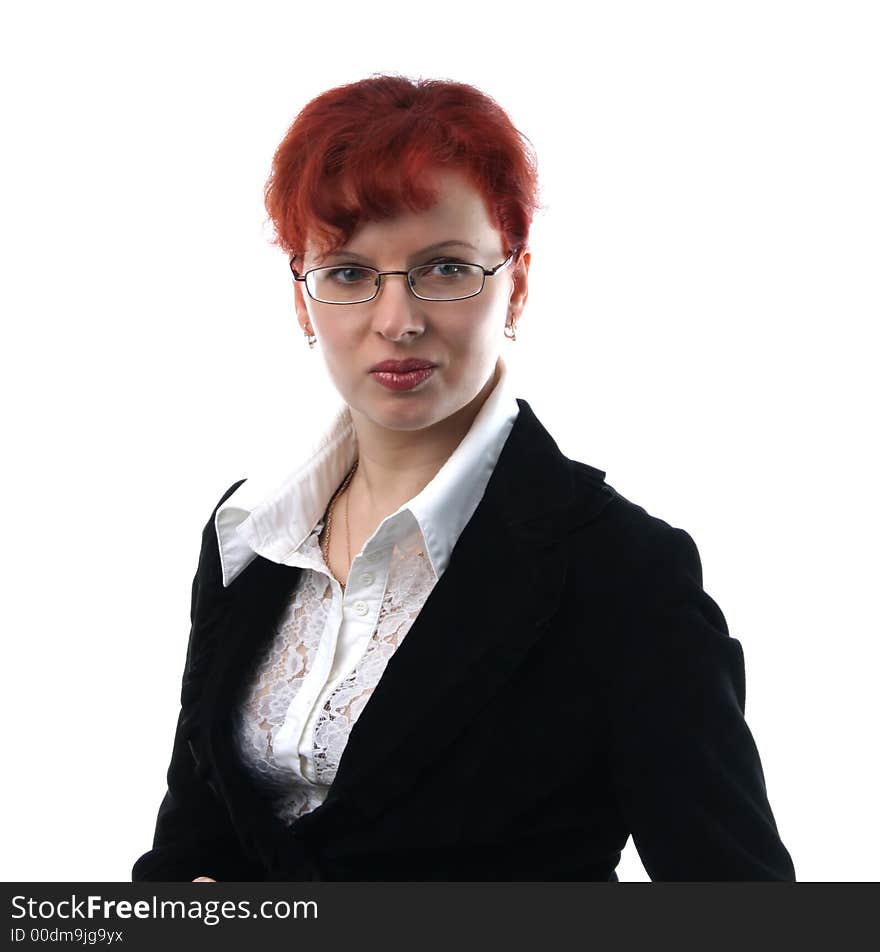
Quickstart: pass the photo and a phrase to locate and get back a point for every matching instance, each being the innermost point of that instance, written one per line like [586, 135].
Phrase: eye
[448, 269]
[348, 274]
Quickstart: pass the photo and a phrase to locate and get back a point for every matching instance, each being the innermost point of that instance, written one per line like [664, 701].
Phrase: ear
[520, 293]
[302, 314]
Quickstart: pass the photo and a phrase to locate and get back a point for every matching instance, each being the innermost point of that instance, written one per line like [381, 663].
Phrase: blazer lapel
[484, 614]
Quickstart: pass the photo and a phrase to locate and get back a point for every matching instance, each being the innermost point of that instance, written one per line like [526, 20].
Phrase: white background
[701, 325]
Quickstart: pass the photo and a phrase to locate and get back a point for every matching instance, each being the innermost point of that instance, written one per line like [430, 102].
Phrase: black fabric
[567, 683]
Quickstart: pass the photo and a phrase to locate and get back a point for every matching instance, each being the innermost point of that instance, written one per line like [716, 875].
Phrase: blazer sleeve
[194, 835]
[684, 763]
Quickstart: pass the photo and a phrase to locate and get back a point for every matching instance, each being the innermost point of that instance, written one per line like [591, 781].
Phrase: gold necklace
[325, 546]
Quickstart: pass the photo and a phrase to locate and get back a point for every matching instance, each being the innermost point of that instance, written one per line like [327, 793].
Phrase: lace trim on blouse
[286, 665]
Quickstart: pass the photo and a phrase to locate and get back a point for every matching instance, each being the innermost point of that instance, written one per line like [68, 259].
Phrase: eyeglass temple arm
[504, 263]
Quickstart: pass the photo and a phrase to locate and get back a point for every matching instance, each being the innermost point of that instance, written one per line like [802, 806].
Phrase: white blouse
[332, 645]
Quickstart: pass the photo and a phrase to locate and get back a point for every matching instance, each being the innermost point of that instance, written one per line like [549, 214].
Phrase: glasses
[448, 280]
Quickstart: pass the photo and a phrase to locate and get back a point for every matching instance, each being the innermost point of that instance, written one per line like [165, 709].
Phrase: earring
[512, 329]
[310, 337]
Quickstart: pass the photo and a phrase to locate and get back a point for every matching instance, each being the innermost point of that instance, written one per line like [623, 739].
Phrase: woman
[440, 649]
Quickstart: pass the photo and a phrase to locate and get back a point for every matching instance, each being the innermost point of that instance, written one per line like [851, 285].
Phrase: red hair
[359, 152]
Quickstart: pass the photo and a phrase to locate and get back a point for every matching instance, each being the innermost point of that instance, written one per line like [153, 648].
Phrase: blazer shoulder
[642, 579]
[631, 540]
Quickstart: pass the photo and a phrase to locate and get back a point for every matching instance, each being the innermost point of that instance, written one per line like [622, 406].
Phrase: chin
[408, 413]
[416, 419]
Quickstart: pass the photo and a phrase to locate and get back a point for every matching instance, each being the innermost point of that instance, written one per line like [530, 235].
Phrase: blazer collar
[500, 590]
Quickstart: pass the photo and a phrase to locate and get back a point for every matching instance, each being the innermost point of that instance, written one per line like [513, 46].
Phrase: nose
[396, 310]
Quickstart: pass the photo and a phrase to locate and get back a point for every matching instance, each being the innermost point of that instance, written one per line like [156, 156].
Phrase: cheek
[496, 303]
[484, 320]
[484, 310]
[340, 334]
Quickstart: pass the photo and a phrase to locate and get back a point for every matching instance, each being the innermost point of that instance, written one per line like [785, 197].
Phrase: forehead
[459, 214]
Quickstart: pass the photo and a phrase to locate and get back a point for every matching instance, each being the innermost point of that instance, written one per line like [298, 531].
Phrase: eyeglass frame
[487, 273]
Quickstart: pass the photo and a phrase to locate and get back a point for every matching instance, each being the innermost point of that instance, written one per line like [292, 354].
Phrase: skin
[405, 437]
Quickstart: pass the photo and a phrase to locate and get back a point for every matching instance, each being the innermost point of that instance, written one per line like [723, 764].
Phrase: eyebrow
[347, 253]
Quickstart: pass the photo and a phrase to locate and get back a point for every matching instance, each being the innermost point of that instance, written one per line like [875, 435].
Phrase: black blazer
[566, 684]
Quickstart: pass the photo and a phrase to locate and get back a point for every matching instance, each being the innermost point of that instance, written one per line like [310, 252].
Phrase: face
[463, 339]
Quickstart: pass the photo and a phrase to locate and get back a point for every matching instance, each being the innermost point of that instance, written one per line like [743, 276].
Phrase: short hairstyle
[359, 152]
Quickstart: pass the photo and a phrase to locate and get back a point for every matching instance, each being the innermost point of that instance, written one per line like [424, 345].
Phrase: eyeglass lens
[444, 281]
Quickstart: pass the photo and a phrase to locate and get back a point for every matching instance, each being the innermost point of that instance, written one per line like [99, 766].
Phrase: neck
[396, 465]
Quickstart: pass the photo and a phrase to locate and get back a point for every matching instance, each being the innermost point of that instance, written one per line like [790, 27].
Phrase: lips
[402, 366]
[410, 380]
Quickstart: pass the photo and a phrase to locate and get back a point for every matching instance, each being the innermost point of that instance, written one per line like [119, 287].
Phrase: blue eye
[349, 275]
[446, 269]
[451, 266]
